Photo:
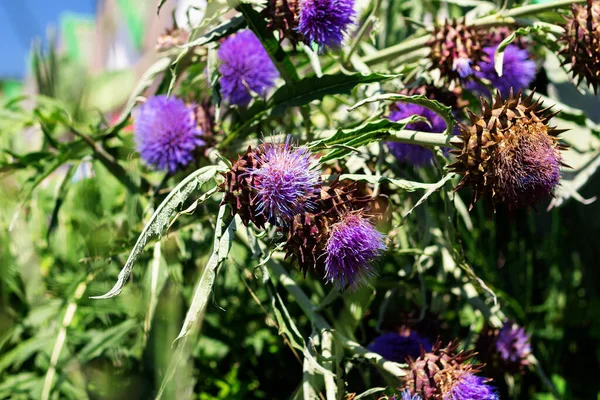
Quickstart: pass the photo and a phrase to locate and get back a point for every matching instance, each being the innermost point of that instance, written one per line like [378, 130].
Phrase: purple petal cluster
[412, 153]
[407, 395]
[352, 246]
[325, 22]
[513, 343]
[166, 133]
[245, 67]
[286, 182]
[471, 387]
[518, 71]
[395, 347]
[531, 170]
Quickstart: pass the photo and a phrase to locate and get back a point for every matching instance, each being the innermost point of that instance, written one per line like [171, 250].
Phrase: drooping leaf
[160, 220]
[224, 231]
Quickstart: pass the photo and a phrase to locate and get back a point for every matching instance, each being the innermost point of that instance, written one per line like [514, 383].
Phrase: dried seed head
[582, 43]
[510, 154]
[283, 17]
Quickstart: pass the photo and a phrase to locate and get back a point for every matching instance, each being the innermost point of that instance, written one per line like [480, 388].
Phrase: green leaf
[224, 232]
[102, 340]
[303, 92]
[225, 29]
[345, 141]
[160, 5]
[160, 220]
[433, 105]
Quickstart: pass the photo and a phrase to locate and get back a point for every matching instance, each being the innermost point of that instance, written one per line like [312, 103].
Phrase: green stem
[423, 138]
[319, 322]
[363, 30]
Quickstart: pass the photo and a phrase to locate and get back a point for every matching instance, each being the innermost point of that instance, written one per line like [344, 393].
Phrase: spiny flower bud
[582, 43]
[456, 50]
[172, 38]
[443, 373]
[506, 349]
[307, 234]
[510, 154]
[237, 188]
[283, 17]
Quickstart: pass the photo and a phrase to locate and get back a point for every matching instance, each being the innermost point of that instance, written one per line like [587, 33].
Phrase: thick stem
[363, 30]
[423, 138]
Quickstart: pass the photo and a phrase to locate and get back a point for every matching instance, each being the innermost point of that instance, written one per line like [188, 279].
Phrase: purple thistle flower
[513, 343]
[245, 66]
[518, 71]
[325, 22]
[407, 395]
[395, 347]
[463, 67]
[166, 133]
[352, 246]
[286, 181]
[471, 387]
[412, 153]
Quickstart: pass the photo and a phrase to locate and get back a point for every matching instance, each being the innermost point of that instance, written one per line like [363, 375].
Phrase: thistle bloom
[445, 374]
[166, 133]
[352, 246]
[245, 67]
[325, 22]
[512, 343]
[470, 387]
[518, 71]
[395, 347]
[412, 153]
[407, 395]
[286, 181]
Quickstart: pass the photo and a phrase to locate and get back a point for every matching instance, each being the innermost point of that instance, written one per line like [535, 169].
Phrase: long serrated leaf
[160, 220]
[433, 105]
[303, 92]
[437, 186]
[345, 141]
[224, 232]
